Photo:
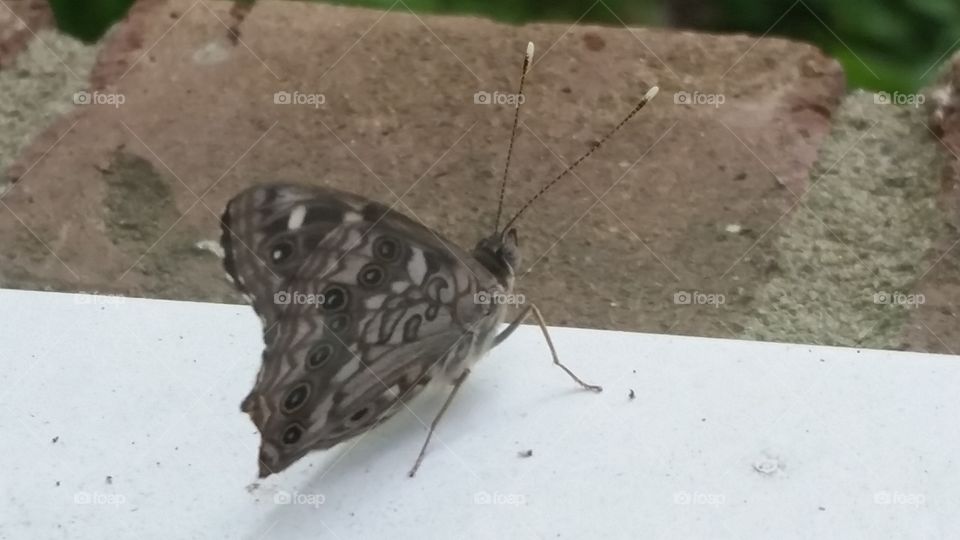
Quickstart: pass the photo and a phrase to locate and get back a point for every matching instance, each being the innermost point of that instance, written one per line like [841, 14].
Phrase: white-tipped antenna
[527, 62]
[651, 93]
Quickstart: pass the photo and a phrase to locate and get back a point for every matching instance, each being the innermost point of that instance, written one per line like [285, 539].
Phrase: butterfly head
[500, 254]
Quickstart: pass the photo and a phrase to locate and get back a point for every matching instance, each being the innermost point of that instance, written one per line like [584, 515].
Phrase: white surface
[725, 439]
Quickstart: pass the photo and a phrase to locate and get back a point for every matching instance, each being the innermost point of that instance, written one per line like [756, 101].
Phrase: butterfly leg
[527, 310]
[423, 450]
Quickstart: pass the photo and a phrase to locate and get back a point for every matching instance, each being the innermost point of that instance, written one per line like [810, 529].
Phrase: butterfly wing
[379, 307]
[267, 233]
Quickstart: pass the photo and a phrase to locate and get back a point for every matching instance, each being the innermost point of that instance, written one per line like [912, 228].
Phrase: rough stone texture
[935, 325]
[19, 22]
[39, 71]
[38, 89]
[849, 255]
[694, 189]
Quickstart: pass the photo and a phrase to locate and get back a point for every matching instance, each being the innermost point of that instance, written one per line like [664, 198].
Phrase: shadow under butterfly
[363, 307]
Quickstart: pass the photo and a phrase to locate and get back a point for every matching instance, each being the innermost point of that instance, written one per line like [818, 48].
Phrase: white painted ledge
[725, 439]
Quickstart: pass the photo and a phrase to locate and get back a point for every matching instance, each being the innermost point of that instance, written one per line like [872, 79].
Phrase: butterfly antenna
[527, 60]
[646, 99]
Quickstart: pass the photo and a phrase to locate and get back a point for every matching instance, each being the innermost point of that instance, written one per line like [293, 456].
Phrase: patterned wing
[269, 231]
[379, 308]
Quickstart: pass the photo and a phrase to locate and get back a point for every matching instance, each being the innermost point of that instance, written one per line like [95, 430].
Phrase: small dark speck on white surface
[252, 487]
[822, 509]
[632, 394]
[109, 479]
[55, 439]
[525, 453]
[58, 483]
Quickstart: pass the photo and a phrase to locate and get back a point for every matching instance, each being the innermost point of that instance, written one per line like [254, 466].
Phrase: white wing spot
[353, 239]
[393, 391]
[212, 246]
[374, 302]
[417, 267]
[296, 217]
[347, 370]
[352, 217]
[399, 286]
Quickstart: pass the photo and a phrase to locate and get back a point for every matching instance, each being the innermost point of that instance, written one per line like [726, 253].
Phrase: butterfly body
[362, 308]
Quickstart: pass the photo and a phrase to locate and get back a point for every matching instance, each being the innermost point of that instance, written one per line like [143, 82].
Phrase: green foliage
[883, 44]
[88, 19]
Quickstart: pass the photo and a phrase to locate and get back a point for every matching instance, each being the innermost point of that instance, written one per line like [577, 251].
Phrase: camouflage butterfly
[363, 307]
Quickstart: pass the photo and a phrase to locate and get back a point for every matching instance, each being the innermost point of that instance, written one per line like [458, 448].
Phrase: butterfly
[363, 307]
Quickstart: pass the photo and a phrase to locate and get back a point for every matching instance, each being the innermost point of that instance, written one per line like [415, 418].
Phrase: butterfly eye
[339, 323]
[371, 275]
[386, 249]
[319, 355]
[335, 298]
[292, 434]
[281, 251]
[296, 397]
